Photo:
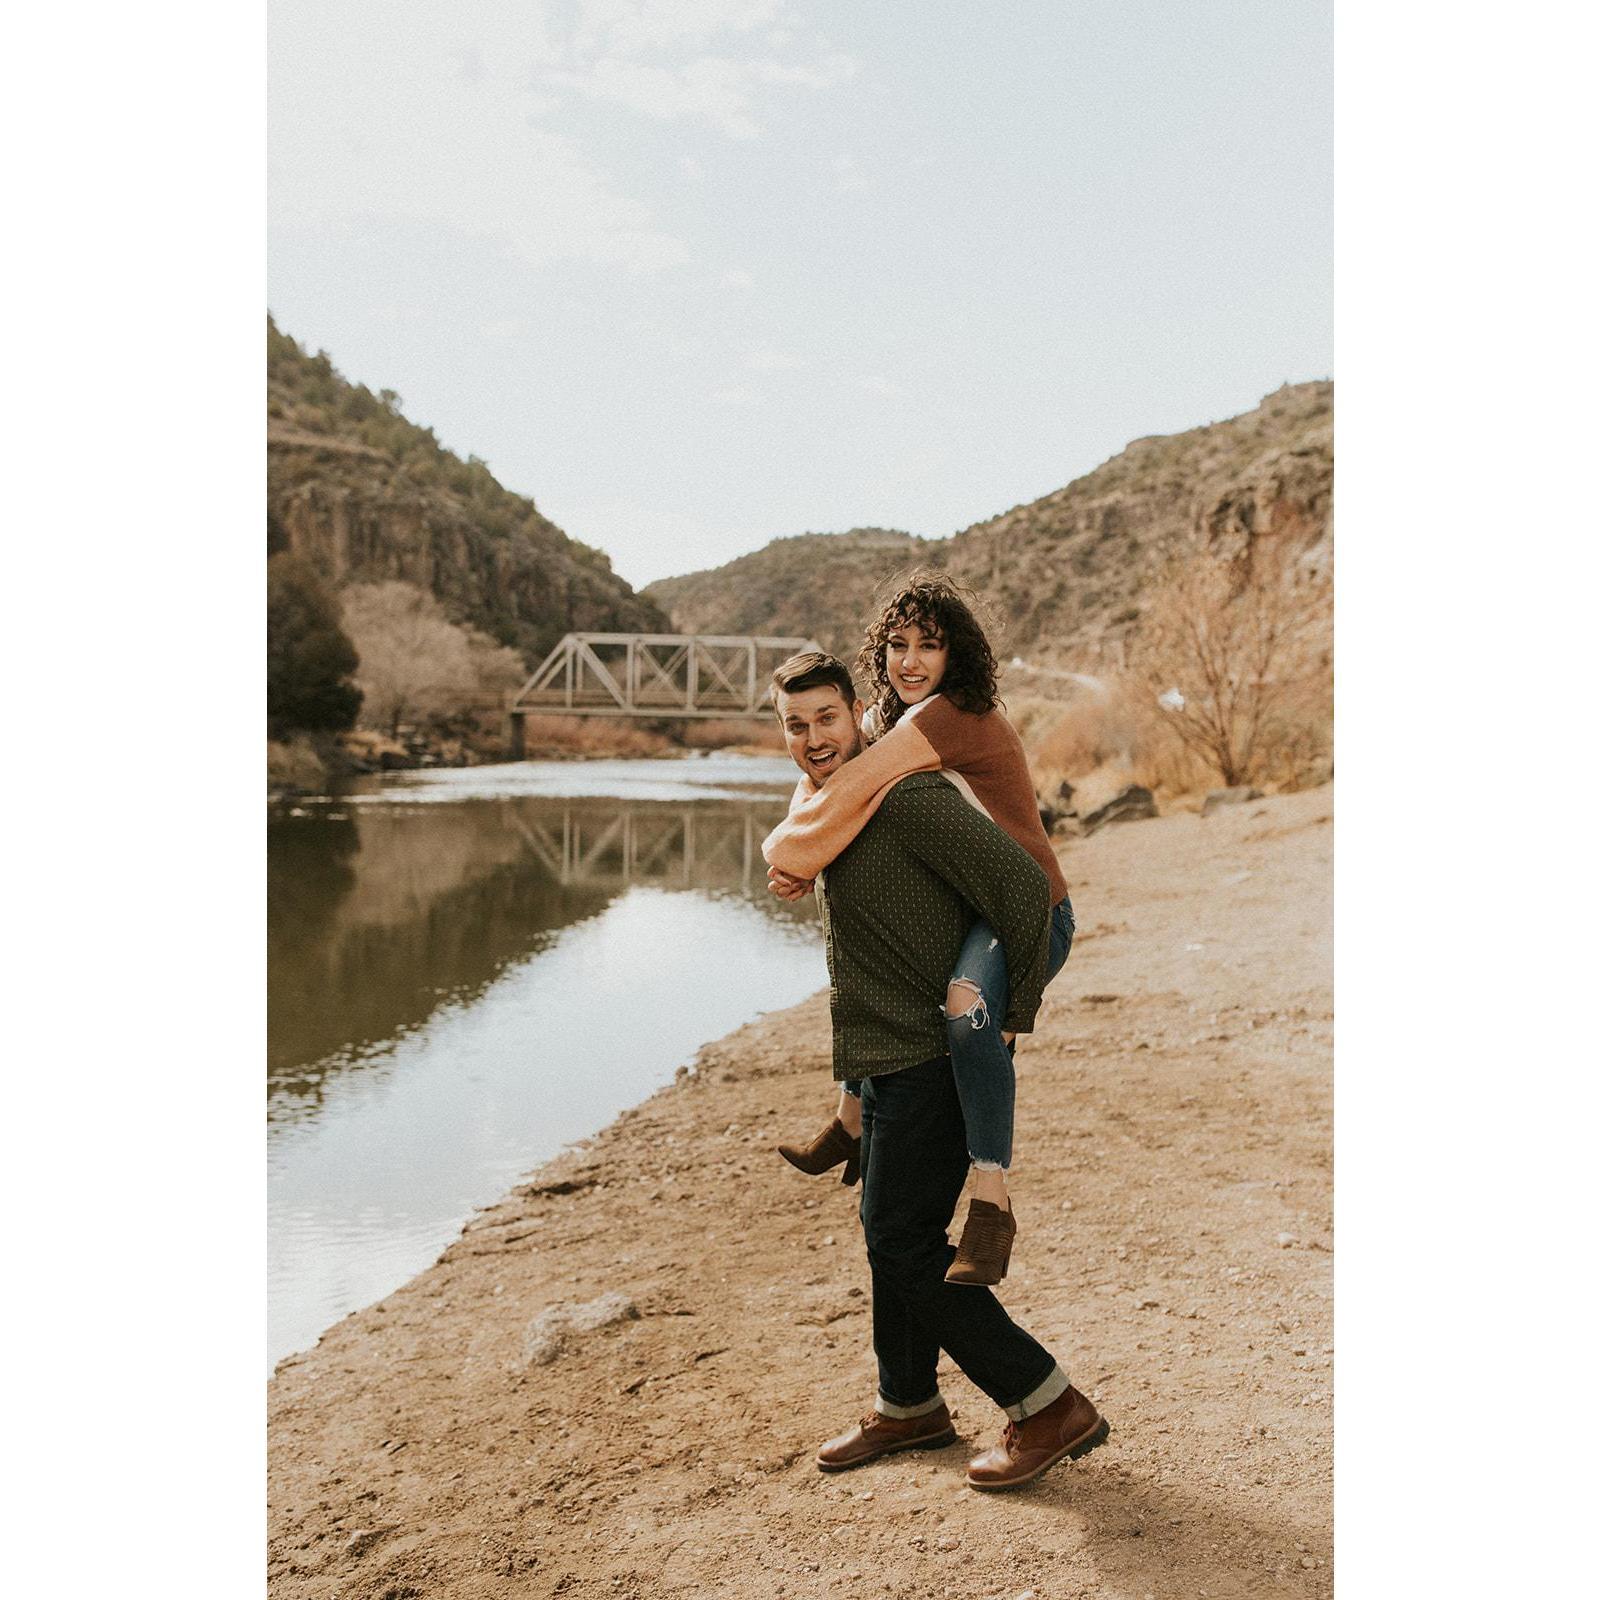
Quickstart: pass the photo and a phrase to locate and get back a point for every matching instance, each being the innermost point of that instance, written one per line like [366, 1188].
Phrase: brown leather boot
[827, 1150]
[877, 1435]
[984, 1254]
[1068, 1426]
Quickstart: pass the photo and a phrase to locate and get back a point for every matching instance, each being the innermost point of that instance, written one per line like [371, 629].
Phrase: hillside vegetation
[1171, 609]
[776, 590]
[363, 495]
[1070, 574]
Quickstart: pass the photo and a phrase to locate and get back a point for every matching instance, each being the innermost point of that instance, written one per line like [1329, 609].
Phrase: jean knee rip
[976, 1015]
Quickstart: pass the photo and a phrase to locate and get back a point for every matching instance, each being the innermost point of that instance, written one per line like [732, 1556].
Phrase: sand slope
[1173, 1192]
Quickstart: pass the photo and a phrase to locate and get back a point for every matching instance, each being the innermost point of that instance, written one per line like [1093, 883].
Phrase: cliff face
[365, 495]
[1066, 572]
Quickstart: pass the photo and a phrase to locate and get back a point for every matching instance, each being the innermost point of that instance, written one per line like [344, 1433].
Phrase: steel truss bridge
[655, 675]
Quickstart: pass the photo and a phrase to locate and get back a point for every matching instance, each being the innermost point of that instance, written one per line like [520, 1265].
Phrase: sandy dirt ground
[474, 1435]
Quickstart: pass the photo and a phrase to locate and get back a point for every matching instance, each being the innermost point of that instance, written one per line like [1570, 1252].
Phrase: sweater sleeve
[823, 823]
[992, 873]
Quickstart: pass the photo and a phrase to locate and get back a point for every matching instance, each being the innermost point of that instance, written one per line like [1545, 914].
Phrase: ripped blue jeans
[980, 1059]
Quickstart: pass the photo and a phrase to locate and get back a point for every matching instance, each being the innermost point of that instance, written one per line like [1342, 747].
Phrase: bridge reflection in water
[706, 845]
[458, 989]
[381, 914]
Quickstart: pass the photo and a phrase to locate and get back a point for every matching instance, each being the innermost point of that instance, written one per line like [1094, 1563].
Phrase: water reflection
[457, 990]
[377, 918]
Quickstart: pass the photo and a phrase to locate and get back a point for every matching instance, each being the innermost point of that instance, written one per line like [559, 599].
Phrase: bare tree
[413, 657]
[1225, 644]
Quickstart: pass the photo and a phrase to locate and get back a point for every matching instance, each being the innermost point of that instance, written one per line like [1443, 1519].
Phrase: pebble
[827, 1238]
[1307, 1562]
[1286, 1240]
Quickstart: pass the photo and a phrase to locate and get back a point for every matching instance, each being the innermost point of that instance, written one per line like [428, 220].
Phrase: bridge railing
[655, 675]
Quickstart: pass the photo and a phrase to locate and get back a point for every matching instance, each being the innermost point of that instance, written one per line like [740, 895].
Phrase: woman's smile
[915, 662]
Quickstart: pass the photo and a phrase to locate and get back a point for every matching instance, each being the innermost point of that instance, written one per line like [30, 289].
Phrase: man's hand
[786, 887]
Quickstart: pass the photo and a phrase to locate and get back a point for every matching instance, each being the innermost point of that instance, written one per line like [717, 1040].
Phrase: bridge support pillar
[519, 742]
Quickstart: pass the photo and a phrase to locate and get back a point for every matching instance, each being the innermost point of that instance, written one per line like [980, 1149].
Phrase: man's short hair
[813, 669]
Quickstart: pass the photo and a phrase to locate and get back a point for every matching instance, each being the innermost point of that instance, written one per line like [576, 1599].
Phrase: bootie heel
[825, 1152]
[984, 1254]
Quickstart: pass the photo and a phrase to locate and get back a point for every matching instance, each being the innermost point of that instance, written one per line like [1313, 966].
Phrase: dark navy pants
[914, 1166]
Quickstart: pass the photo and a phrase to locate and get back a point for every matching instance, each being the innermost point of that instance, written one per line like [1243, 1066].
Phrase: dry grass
[1103, 742]
[1228, 679]
[763, 736]
[591, 737]
[556, 738]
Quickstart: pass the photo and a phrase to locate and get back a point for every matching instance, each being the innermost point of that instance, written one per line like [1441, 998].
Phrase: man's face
[821, 729]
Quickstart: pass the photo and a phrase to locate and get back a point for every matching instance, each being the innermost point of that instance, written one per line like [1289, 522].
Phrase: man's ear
[857, 710]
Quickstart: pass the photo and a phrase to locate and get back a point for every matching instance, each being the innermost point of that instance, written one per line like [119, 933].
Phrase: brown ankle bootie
[984, 1253]
[826, 1151]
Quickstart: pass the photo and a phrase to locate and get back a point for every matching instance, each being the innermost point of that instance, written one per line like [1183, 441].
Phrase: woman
[934, 708]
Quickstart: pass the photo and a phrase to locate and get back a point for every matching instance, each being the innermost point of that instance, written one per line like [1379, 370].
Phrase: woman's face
[915, 661]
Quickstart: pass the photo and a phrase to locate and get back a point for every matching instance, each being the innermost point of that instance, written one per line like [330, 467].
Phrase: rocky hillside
[366, 495]
[1066, 572]
[775, 589]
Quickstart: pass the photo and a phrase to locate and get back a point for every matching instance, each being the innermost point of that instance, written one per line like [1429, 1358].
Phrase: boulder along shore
[615, 1381]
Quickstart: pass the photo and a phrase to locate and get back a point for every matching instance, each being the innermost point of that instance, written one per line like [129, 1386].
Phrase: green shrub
[309, 656]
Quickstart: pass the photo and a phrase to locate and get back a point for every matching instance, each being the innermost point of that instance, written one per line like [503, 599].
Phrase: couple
[944, 914]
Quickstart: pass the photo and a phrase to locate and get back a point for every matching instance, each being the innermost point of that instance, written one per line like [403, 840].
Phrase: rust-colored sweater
[983, 753]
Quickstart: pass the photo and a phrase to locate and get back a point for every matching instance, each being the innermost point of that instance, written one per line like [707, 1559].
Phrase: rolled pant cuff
[887, 1408]
[1051, 1389]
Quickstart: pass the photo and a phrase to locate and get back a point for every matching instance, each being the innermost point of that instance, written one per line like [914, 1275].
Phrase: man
[896, 905]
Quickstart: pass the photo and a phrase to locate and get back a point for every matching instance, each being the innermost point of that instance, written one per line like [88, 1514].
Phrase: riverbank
[466, 1437]
[309, 764]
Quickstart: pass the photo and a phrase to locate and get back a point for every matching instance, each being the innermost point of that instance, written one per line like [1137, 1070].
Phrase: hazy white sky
[697, 273]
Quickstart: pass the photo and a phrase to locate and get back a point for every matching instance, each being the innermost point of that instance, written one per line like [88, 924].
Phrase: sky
[697, 274]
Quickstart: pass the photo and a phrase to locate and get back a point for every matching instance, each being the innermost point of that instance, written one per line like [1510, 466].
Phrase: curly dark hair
[933, 602]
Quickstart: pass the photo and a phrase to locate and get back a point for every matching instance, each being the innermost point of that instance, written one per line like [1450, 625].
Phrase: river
[470, 969]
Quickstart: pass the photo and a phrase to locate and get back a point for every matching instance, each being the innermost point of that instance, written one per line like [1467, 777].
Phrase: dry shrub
[570, 738]
[1233, 660]
[557, 738]
[1094, 731]
[731, 734]
[1104, 740]
[416, 663]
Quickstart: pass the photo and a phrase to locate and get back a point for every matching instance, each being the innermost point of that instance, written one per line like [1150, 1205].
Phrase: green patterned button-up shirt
[896, 906]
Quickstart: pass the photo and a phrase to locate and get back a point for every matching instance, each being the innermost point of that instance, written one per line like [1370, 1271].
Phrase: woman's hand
[786, 887]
